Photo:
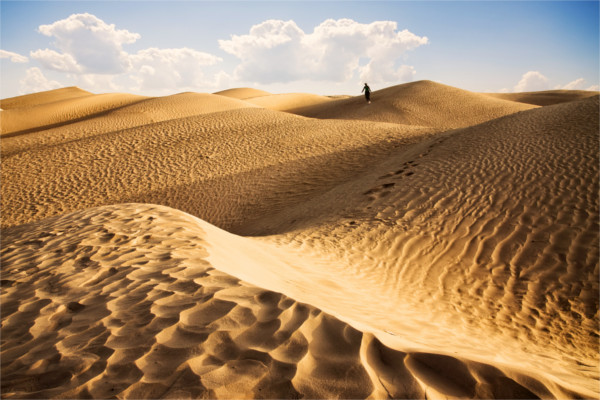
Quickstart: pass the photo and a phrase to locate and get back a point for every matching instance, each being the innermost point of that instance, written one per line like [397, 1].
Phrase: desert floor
[435, 243]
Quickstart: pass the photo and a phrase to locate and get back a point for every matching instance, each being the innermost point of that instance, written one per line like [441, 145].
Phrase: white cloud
[576, 84]
[14, 57]
[91, 53]
[532, 81]
[53, 60]
[279, 51]
[88, 45]
[35, 81]
[170, 68]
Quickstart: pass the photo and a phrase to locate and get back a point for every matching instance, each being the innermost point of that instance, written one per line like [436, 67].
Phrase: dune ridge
[243, 93]
[451, 253]
[123, 301]
[49, 96]
[545, 97]
[288, 101]
[424, 103]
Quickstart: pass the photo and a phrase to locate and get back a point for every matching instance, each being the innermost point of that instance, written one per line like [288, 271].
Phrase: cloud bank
[533, 81]
[91, 53]
[337, 51]
[14, 57]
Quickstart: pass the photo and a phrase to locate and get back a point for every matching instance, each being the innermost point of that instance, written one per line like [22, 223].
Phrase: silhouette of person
[367, 91]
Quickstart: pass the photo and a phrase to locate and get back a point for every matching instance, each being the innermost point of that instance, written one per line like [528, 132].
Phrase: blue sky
[159, 48]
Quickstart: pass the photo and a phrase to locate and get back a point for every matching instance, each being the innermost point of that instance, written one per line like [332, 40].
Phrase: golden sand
[435, 243]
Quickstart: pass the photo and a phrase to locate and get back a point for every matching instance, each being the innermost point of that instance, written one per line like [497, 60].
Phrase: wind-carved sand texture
[435, 243]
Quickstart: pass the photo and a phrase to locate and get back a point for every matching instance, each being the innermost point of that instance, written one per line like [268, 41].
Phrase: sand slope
[289, 101]
[126, 301]
[227, 167]
[546, 97]
[242, 93]
[423, 103]
[504, 216]
[48, 114]
[118, 118]
[50, 96]
[388, 260]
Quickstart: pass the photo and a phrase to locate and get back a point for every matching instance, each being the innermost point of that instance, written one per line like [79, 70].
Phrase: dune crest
[123, 301]
[50, 96]
[423, 103]
[243, 93]
[546, 97]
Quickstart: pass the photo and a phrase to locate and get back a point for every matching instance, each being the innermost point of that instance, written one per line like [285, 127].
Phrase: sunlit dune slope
[49, 114]
[242, 93]
[131, 301]
[49, 96]
[422, 103]
[544, 98]
[118, 118]
[289, 101]
[490, 233]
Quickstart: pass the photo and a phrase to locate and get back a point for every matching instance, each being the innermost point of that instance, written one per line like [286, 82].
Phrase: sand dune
[129, 301]
[50, 96]
[546, 97]
[48, 114]
[242, 93]
[289, 101]
[118, 118]
[422, 103]
[381, 259]
[228, 168]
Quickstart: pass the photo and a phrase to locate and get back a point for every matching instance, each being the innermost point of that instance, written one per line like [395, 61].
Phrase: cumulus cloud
[57, 61]
[87, 45]
[532, 81]
[170, 68]
[35, 81]
[577, 84]
[90, 51]
[574, 85]
[14, 57]
[279, 51]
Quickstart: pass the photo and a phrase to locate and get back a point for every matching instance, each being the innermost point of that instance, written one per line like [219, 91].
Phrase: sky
[322, 47]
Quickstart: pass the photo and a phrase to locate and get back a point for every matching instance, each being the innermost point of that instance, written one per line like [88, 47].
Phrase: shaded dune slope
[124, 301]
[226, 167]
[422, 103]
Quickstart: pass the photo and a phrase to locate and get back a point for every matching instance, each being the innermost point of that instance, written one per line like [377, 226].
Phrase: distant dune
[34, 99]
[289, 101]
[436, 243]
[243, 93]
[545, 98]
[423, 103]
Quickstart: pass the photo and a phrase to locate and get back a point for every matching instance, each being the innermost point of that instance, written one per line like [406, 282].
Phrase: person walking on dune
[367, 91]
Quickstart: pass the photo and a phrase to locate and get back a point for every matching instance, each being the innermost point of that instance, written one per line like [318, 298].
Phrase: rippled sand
[434, 243]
